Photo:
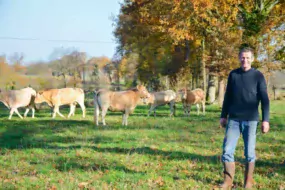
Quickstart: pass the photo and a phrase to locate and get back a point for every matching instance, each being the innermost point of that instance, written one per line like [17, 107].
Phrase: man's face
[246, 58]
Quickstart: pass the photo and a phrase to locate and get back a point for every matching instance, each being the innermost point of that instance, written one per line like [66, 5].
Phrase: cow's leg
[57, 110]
[174, 109]
[96, 112]
[11, 113]
[198, 108]
[126, 117]
[52, 111]
[171, 105]
[81, 104]
[185, 108]
[123, 120]
[188, 109]
[26, 112]
[33, 112]
[203, 106]
[72, 110]
[104, 112]
[150, 110]
[17, 112]
[73, 113]
[148, 113]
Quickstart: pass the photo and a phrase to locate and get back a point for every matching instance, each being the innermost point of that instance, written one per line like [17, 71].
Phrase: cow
[123, 101]
[162, 98]
[64, 96]
[14, 99]
[188, 97]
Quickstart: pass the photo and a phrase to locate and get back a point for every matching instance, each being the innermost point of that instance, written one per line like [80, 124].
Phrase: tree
[201, 36]
[38, 68]
[146, 26]
[258, 16]
[280, 56]
[17, 61]
[9, 78]
[69, 67]
[60, 68]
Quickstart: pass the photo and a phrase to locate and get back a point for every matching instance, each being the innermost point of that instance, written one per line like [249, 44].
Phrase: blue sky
[45, 20]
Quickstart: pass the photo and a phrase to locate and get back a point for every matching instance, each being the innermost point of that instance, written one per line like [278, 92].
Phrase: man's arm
[263, 95]
[227, 98]
[226, 103]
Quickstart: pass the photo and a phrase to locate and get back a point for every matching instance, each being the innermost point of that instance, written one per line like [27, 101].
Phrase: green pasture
[150, 153]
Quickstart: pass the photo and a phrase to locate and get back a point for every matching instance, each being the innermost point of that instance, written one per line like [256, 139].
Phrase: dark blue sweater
[245, 89]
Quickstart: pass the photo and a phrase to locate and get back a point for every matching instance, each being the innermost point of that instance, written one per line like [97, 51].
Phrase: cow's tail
[96, 107]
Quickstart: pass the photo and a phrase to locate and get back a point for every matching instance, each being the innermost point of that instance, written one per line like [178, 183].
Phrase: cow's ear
[40, 93]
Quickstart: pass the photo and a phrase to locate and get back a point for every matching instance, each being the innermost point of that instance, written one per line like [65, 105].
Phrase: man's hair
[246, 49]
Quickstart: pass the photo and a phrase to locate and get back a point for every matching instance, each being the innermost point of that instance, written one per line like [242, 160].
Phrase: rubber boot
[229, 172]
[248, 175]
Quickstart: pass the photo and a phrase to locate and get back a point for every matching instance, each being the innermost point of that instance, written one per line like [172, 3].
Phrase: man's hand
[265, 127]
[223, 122]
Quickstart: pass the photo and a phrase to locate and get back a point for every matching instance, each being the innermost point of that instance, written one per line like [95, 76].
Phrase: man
[245, 89]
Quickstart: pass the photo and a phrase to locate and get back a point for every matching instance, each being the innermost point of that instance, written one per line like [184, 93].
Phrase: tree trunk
[274, 92]
[197, 81]
[83, 74]
[118, 82]
[204, 67]
[190, 81]
[193, 81]
[221, 91]
[268, 80]
[211, 95]
[75, 82]
[64, 80]
[167, 82]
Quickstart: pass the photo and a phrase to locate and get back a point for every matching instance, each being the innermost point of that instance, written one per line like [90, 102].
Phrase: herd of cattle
[104, 100]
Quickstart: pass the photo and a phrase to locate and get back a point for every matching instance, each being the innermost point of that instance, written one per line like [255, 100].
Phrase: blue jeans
[233, 130]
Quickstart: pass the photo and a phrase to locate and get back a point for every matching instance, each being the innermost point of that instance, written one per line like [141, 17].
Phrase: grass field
[150, 153]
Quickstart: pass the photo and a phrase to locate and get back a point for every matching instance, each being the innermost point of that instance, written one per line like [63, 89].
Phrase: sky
[36, 28]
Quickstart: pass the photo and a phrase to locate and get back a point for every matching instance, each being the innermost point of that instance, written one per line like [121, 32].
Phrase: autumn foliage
[203, 36]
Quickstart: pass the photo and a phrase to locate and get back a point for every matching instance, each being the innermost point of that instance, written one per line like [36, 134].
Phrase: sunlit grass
[150, 153]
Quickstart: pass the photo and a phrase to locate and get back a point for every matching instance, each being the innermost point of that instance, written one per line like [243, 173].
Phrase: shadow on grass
[176, 155]
[23, 134]
[64, 165]
[169, 155]
[214, 160]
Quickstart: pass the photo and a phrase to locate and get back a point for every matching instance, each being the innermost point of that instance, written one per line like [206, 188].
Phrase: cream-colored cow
[188, 97]
[64, 96]
[162, 98]
[14, 99]
[123, 101]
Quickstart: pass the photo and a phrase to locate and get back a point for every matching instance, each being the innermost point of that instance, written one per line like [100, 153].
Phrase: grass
[150, 153]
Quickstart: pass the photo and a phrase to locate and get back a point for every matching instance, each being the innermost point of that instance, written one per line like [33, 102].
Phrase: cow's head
[39, 97]
[183, 93]
[143, 93]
